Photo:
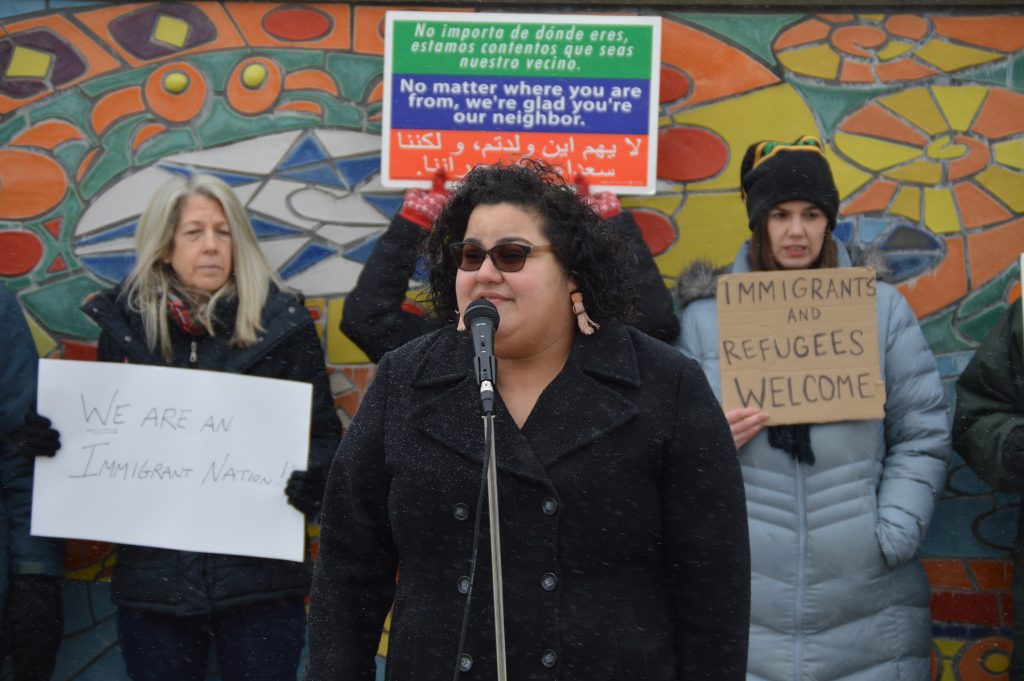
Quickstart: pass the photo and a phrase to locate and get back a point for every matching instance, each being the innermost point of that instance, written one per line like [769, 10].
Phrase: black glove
[33, 625]
[36, 437]
[305, 490]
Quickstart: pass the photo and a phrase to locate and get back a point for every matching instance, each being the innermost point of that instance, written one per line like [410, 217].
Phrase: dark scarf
[794, 439]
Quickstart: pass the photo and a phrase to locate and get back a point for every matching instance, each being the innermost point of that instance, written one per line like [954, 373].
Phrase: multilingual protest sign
[577, 91]
[801, 345]
[172, 458]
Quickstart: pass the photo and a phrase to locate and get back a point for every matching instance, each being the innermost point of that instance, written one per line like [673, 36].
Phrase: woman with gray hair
[202, 296]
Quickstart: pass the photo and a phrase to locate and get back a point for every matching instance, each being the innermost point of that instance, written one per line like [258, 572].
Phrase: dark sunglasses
[506, 257]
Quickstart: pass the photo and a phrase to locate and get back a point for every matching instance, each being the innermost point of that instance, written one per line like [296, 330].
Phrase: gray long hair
[147, 288]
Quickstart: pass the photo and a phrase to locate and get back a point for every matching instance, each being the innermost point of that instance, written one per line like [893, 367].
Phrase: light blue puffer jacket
[837, 589]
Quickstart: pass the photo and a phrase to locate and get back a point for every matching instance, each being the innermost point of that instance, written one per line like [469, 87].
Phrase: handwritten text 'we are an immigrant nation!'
[105, 422]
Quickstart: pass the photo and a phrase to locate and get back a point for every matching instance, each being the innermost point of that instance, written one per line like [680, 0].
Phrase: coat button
[548, 581]
[128, 339]
[549, 506]
[291, 310]
[460, 511]
[463, 584]
[549, 658]
[465, 662]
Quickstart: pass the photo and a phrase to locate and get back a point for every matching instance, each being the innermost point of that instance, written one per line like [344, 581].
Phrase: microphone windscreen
[481, 309]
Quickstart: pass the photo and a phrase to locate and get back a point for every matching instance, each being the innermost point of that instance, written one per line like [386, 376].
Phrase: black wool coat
[186, 582]
[624, 536]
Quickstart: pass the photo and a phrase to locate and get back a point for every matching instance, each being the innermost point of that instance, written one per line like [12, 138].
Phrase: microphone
[482, 320]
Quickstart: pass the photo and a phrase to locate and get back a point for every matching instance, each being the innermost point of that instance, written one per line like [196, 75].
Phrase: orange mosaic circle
[254, 85]
[985, 660]
[30, 184]
[180, 106]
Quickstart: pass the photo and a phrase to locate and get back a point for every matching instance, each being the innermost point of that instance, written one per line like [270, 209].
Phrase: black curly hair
[588, 247]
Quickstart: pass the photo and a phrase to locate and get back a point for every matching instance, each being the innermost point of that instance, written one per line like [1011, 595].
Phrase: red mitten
[605, 204]
[423, 207]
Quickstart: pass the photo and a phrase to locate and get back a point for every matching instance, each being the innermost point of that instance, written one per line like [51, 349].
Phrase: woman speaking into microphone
[623, 536]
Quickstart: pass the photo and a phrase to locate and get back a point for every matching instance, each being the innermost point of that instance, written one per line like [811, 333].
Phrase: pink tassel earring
[586, 324]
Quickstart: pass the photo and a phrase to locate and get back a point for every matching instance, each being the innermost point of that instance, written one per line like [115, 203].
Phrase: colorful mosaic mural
[923, 115]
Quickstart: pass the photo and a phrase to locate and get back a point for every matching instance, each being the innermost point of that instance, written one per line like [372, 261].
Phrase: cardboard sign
[172, 458]
[580, 92]
[801, 345]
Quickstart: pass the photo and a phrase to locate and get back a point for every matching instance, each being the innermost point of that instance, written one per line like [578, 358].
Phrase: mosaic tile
[317, 174]
[951, 57]
[9, 129]
[113, 267]
[323, 205]
[386, 205]
[307, 257]
[44, 342]
[13, 8]
[952, 364]
[354, 73]
[917, 106]
[345, 236]
[70, 155]
[167, 143]
[994, 250]
[871, 228]
[906, 237]
[977, 327]
[938, 331]
[127, 230]
[341, 350]
[308, 150]
[755, 36]
[229, 178]
[258, 156]
[942, 286]
[279, 251]
[122, 201]
[940, 210]
[56, 306]
[993, 293]
[342, 143]
[361, 253]
[273, 201]
[1006, 185]
[875, 154]
[358, 170]
[264, 228]
[331, 277]
[31, 184]
[294, 60]
[114, 81]
[224, 125]
[111, 161]
[843, 231]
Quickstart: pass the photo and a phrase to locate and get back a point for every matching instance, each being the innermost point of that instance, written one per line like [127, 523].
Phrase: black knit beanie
[776, 172]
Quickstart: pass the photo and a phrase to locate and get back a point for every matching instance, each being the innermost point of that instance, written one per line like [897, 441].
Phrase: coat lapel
[449, 410]
[580, 406]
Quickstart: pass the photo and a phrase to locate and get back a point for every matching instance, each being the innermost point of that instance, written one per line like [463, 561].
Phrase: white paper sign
[172, 458]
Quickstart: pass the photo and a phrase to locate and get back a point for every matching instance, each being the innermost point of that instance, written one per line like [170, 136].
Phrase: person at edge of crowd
[31, 568]
[988, 431]
[624, 540]
[201, 295]
[376, 320]
[837, 511]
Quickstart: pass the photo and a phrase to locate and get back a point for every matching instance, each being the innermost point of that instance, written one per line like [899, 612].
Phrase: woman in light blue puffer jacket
[837, 511]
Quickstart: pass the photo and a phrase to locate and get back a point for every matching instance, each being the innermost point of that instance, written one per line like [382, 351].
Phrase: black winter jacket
[374, 320]
[189, 583]
[624, 535]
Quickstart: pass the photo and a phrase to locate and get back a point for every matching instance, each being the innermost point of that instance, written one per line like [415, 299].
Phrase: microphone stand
[492, 515]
